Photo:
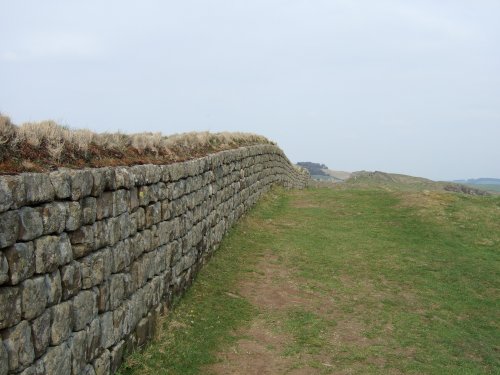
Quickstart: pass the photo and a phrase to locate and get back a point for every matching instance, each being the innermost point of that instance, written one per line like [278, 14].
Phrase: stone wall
[90, 258]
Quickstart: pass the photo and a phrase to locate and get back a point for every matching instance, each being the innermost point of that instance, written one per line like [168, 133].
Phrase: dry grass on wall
[47, 145]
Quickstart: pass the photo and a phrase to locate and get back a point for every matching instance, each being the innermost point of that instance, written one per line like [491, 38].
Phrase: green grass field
[343, 281]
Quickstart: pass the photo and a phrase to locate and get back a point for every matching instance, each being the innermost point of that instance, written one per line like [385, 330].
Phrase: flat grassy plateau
[343, 280]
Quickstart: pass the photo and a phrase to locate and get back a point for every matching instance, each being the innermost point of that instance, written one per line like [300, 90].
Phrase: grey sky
[400, 86]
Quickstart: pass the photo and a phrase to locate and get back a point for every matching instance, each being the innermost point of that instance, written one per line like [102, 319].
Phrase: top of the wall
[46, 146]
[74, 184]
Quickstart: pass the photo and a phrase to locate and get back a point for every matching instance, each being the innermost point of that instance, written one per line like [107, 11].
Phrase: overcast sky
[394, 85]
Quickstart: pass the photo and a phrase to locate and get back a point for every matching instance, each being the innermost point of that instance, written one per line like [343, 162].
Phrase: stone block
[116, 290]
[88, 370]
[124, 225]
[102, 364]
[133, 203]
[102, 291]
[40, 333]
[99, 179]
[6, 199]
[4, 359]
[93, 345]
[153, 214]
[121, 255]
[96, 267]
[101, 234]
[30, 223]
[17, 342]
[52, 252]
[140, 216]
[104, 205]
[123, 178]
[114, 230]
[77, 344]
[4, 269]
[10, 301]
[61, 183]
[34, 297]
[120, 201]
[62, 322]
[74, 216]
[84, 309]
[71, 280]
[53, 217]
[83, 240]
[37, 368]
[57, 361]
[82, 183]
[9, 228]
[107, 335]
[54, 288]
[116, 356]
[38, 187]
[89, 210]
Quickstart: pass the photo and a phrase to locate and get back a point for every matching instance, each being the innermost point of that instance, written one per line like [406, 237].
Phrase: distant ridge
[480, 181]
[322, 172]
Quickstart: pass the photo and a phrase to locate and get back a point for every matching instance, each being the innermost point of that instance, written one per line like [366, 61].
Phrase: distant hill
[393, 181]
[480, 181]
[322, 172]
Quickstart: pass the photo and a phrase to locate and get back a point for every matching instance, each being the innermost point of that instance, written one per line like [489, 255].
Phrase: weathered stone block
[51, 252]
[107, 336]
[54, 288]
[123, 179]
[84, 309]
[141, 218]
[6, 199]
[74, 216]
[62, 322]
[101, 234]
[121, 255]
[120, 201]
[124, 225]
[153, 214]
[102, 291]
[96, 267]
[133, 203]
[83, 240]
[102, 364]
[4, 360]
[104, 205]
[17, 341]
[93, 345]
[116, 357]
[4, 269]
[89, 210]
[10, 300]
[53, 217]
[88, 370]
[34, 297]
[99, 177]
[57, 361]
[82, 183]
[61, 183]
[9, 228]
[37, 368]
[38, 187]
[77, 344]
[40, 333]
[71, 280]
[117, 290]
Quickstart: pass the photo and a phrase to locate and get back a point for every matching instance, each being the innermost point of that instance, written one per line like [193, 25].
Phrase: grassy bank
[343, 281]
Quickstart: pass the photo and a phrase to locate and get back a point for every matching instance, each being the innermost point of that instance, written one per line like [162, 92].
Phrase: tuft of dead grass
[46, 145]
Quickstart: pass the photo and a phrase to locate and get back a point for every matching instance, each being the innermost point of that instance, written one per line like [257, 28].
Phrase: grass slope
[387, 282]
